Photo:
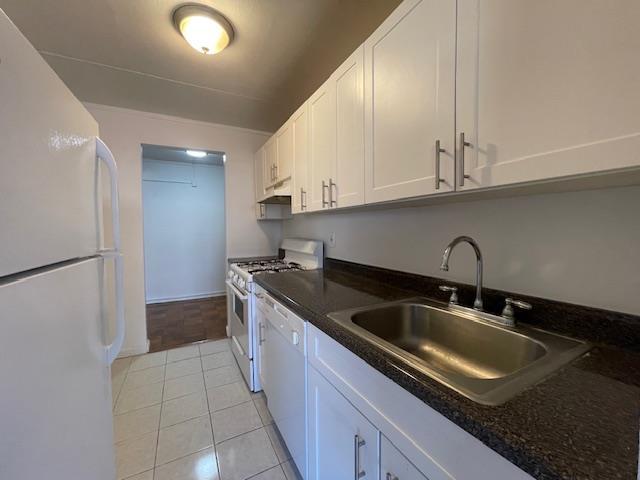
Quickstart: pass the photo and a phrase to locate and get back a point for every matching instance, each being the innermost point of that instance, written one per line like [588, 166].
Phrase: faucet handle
[509, 303]
[453, 299]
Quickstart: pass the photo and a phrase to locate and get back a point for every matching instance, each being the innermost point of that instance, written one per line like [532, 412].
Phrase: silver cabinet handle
[463, 144]
[275, 171]
[391, 476]
[303, 200]
[324, 202]
[260, 336]
[357, 444]
[332, 186]
[439, 150]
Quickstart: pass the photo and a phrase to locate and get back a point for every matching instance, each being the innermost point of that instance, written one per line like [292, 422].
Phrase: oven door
[239, 317]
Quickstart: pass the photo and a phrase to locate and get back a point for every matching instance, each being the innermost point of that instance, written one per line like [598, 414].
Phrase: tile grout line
[244, 433]
[155, 457]
[270, 468]
[181, 457]
[213, 438]
[115, 402]
[233, 406]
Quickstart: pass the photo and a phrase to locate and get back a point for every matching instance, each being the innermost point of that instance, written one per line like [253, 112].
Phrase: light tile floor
[186, 414]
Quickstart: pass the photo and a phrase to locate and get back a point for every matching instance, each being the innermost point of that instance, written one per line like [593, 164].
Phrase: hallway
[173, 324]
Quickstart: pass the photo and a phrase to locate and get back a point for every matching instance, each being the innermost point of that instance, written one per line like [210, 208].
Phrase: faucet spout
[477, 303]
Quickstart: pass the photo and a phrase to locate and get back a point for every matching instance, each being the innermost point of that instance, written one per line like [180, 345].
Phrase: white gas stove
[299, 254]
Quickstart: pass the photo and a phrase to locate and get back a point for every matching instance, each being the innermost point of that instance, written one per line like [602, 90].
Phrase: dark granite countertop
[582, 422]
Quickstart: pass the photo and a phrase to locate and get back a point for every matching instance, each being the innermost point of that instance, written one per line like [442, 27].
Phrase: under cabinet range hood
[277, 200]
[278, 194]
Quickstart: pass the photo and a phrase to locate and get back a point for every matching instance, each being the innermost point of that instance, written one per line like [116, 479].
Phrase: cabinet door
[394, 465]
[271, 158]
[409, 101]
[284, 147]
[300, 193]
[547, 89]
[339, 436]
[349, 168]
[258, 172]
[322, 144]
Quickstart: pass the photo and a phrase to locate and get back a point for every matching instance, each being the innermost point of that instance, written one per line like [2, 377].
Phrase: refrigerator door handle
[116, 345]
[103, 152]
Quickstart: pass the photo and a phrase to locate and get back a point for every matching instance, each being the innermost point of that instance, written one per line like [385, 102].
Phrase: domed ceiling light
[205, 29]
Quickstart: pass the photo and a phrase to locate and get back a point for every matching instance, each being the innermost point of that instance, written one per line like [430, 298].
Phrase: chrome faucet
[477, 303]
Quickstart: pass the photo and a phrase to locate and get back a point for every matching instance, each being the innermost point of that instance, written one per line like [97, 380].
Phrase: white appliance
[55, 400]
[282, 372]
[299, 254]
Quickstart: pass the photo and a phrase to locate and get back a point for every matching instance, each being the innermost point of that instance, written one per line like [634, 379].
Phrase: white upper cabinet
[322, 145]
[270, 161]
[410, 102]
[547, 89]
[300, 127]
[348, 185]
[284, 148]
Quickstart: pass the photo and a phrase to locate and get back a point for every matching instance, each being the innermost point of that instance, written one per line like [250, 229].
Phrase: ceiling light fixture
[205, 29]
[196, 153]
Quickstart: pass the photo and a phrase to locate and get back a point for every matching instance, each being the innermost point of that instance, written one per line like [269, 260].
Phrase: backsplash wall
[577, 247]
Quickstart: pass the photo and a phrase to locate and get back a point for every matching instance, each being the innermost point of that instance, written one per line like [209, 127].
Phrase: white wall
[125, 131]
[184, 234]
[578, 247]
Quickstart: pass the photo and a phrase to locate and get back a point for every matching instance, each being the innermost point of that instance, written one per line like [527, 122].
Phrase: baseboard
[137, 350]
[186, 297]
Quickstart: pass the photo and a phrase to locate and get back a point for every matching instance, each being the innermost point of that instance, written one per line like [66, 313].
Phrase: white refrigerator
[55, 346]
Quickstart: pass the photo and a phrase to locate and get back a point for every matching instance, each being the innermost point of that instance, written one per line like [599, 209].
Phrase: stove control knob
[295, 337]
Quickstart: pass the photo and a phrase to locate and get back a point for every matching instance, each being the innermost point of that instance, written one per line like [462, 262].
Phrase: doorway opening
[184, 245]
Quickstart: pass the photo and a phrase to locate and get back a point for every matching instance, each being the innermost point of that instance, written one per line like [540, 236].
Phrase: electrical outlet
[332, 239]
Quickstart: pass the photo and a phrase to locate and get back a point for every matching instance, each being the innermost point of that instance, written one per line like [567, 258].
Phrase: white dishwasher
[282, 343]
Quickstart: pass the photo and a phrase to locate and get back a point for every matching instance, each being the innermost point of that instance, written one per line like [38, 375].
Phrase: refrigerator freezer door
[56, 419]
[48, 202]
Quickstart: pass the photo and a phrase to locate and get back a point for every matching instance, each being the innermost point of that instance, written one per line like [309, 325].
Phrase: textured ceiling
[127, 53]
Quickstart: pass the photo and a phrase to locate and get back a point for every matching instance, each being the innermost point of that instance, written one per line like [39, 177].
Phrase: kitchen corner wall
[577, 247]
[125, 131]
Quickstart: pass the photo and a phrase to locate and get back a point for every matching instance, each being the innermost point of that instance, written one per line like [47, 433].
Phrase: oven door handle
[239, 347]
[236, 291]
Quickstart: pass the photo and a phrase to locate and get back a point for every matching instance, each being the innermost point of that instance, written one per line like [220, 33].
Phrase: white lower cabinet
[342, 443]
[394, 465]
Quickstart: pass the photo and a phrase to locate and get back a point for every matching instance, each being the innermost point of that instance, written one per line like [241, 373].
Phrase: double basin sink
[461, 348]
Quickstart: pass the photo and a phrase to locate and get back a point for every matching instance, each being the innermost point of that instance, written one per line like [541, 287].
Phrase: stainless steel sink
[460, 348]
